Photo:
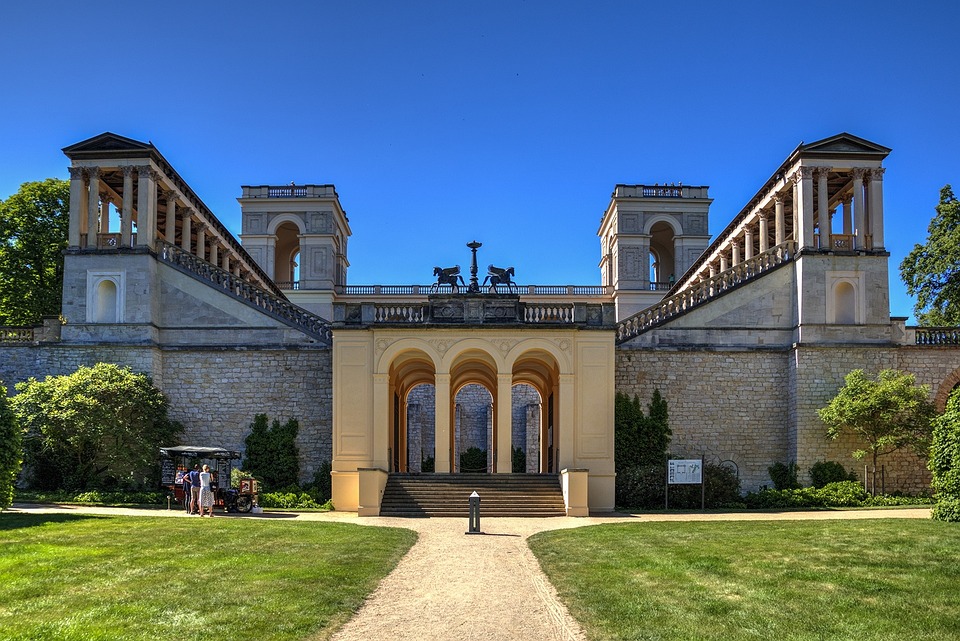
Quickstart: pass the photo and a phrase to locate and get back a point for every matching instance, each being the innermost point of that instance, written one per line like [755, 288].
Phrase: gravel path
[451, 585]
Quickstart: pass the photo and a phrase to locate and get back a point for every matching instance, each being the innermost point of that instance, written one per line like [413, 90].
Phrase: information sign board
[685, 472]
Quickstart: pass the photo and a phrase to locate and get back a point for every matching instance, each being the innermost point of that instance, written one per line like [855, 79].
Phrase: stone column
[804, 206]
[875, 207]
[735, 252]
[185, 240]
[93, 203]
[105, 214]
[859, 217]
[723, 261]
[823, 202]
[170, 230]
[764, 232]
[201, 241]
[748, 243]
[504, 423]
[226, 260]
[779, 223]
[215, 253]
[77, 199]
[441, 428]
[146, 206]
[827, 237]
[382, 410]
[563, 418]
[126, 213]
[847, 217]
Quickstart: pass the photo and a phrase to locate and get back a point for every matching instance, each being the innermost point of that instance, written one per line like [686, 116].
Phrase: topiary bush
[825, 472]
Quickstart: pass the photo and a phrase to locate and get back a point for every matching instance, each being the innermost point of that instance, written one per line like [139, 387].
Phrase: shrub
[11, 450]
[946, 509]
[322, 483]
[945, 461]
[824, 472]
[272, 455]
[473, 460]
[642, 487]
[288, 500]
[640, 440]
[839, 494]
[519, 461]
[428, 464]
[784, 476]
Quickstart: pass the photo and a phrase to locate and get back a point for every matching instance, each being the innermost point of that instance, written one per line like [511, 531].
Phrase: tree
[33, 235]
[889, 413]
[945, 461]
[932, 270]
[640, 440]
[271, 452]
[11, 450]
[100, 426]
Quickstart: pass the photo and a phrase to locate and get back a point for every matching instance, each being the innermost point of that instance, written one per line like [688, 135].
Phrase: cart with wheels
[177, 461]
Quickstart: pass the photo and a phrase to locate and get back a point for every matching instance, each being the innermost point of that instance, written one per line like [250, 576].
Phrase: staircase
[421, 495]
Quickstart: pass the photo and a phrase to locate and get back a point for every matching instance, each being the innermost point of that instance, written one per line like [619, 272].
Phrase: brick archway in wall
[943, 392]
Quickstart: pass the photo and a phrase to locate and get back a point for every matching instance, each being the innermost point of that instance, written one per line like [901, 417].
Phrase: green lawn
[782, 581]
[71, 577]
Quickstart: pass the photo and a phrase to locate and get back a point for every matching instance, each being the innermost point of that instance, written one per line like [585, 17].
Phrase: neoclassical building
[746, 334]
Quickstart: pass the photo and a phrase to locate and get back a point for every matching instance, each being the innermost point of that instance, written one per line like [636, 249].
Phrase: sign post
[685, 472]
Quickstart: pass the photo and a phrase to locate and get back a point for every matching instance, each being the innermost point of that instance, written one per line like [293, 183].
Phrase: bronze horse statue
[447, 276]
[500, 276]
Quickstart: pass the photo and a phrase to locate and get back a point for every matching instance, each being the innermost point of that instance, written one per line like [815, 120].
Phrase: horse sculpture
[447, 276]
[500, 276]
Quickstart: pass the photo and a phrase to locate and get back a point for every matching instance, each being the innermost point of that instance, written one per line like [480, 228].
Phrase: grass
[789, 581]
[73, 578]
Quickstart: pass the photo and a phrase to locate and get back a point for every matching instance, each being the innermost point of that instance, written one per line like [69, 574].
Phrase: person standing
[206, 490]
[195, 489]
[185, 485]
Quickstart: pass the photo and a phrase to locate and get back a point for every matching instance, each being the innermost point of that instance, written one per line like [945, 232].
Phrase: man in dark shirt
[185, 485]
[195, 489]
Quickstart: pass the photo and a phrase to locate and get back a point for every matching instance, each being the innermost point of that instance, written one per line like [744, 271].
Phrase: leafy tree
[889, 413]
[33, 235]
[272, 455]
[638, 439]
[100, 426]
[11, 450]
[945, 461]
[932, 270]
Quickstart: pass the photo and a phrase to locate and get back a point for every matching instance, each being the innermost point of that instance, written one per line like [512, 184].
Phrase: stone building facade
[745, 335]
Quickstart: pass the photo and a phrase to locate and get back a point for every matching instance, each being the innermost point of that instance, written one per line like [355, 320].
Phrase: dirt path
[451, 585]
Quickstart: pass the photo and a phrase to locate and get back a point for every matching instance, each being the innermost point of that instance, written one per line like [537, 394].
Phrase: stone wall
[214, 393]
[725, 406]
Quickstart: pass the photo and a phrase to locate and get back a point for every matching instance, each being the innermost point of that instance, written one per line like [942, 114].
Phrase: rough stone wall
[525, 434]
[474, 422]
[214, 393]
[421, 426]
[726, 406]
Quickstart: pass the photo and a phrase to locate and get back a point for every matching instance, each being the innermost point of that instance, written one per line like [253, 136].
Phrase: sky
[508, 123]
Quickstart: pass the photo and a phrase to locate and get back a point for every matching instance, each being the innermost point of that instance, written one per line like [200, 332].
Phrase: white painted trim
[94, 278]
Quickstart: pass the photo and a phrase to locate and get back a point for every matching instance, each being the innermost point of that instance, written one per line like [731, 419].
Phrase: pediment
[107, 142]
[844, 144]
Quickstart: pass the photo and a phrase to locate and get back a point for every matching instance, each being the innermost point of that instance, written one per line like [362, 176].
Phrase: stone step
[419, 495]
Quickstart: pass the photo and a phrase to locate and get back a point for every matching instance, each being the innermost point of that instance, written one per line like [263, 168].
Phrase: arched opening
[286, 255]
[106, 303]
[473, 429]
[536, 377]
[661, 249]
[654, 270]
[420, 435]
[844, 303]
[526, 408]
[412, 429]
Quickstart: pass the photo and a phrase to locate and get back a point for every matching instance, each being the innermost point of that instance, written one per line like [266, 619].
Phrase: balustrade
[300, 318]
[938, 335]
[547, 313]
[399, 313]
[698, 293]
[16, 334]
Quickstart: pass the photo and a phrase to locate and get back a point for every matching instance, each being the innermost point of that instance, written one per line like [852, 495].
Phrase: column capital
[93, 172]
[128, 170]
[77, 173]
[763, 214]
[803, 173]
[877, 173]
[858, 173]
[169, 194]
[778, 199]
[146, 171]
[823, 172]
[187, 212]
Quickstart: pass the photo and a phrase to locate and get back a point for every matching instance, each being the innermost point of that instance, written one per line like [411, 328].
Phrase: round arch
[674, 224]
[949, 384]
[286, 218]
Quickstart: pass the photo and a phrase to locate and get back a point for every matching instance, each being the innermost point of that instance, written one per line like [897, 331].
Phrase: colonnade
[800, 206]
[155, 201]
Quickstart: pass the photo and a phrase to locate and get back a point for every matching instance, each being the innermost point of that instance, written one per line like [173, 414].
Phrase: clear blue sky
[505, 122]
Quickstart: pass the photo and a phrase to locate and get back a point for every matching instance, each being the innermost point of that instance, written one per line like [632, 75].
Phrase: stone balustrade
[580, 291]
[700, 292]
[937, 336]
[274, 305]
[548, 313]
[16, 335]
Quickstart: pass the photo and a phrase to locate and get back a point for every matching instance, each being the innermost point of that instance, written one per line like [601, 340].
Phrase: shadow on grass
[17, 520]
